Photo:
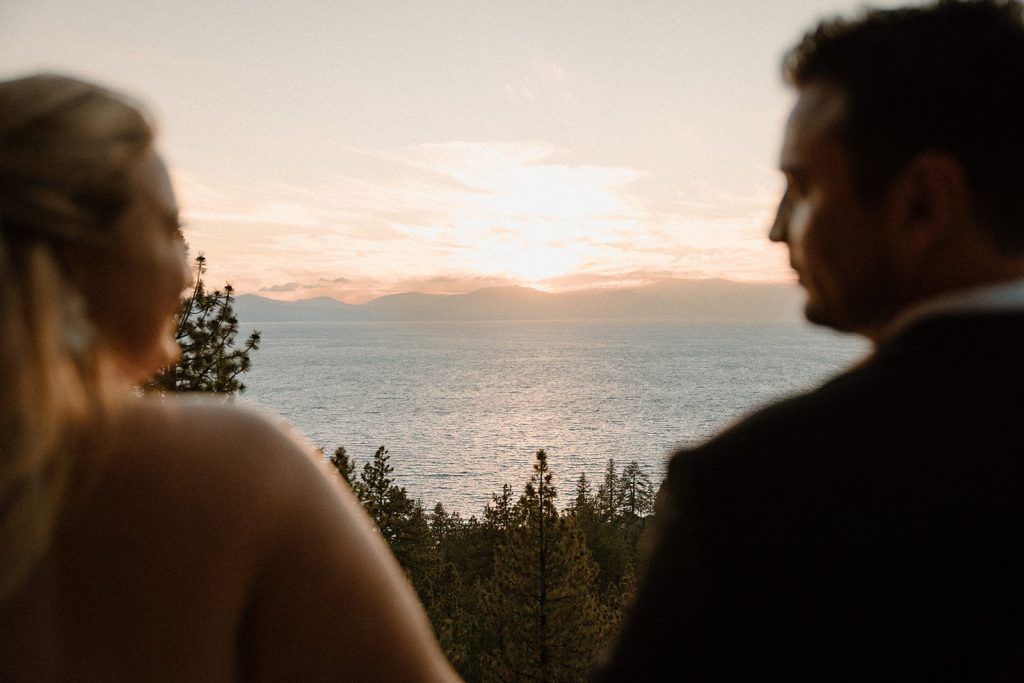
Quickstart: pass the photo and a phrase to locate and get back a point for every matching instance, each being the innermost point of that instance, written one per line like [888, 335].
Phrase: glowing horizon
[458, 217]
[362, 149]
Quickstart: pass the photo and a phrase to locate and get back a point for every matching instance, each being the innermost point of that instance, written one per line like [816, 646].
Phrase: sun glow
[527, 260]
[445, 218]
[527, 216]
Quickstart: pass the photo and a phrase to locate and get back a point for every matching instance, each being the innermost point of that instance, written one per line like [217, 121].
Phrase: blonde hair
[67, 149]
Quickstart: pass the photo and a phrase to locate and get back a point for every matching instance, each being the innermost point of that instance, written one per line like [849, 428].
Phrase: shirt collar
[1003, 297]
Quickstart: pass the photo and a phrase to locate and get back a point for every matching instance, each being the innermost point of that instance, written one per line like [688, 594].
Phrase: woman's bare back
[203, 541]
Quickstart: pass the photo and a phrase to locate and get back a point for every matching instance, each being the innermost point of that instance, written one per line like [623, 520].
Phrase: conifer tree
[401, 520]
[584, 501]
[415, 549]
[609, 494]
[637, 491]
[441, 523]
[541, 600]
[583, 510]
[344, 464]
[210, 359]
[450, 614]
[502, 513]
[618, 596]
[466, 543]
[614, 519]
[377, 491]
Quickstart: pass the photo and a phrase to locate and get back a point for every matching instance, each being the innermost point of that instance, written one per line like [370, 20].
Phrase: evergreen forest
[529, 590]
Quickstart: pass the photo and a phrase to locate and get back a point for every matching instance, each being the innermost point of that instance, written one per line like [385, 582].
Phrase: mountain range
[696, 300]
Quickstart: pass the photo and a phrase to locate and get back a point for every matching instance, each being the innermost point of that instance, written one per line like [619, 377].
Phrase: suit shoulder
[793, 418]
[789, 441]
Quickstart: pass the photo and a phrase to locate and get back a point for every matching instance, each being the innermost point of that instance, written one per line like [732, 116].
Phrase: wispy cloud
[286, 287]
[511, 212]
[449, 217]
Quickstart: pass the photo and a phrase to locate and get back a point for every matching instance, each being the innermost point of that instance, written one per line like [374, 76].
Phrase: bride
[154, 538]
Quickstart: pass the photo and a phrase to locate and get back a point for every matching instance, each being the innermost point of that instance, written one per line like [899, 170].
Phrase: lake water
[462, 407]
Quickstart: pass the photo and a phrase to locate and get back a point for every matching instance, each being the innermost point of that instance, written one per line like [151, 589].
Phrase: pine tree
[583, 510]
[401, 520]
[385, 501]
[344, 464]
[541, 599]
[583, 500]
[441, 523]
[502, 514]
[210, 360]
[449, 614]
[377, 491]
[637, 491]
[609, 493]
[618, 597]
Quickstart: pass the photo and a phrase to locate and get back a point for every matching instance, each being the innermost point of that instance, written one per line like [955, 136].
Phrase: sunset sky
[354, 149]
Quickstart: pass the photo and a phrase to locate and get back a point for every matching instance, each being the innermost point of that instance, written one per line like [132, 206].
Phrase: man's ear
[929, 204]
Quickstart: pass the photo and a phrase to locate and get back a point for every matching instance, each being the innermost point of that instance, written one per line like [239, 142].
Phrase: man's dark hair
[945, 77]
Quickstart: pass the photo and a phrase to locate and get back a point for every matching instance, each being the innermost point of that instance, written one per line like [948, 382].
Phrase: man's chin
[865, 324]
[818, 314]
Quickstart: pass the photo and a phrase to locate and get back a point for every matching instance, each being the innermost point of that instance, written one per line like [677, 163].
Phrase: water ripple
[462, 407]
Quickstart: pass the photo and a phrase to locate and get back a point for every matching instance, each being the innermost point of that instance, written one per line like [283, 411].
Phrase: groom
[872, 529]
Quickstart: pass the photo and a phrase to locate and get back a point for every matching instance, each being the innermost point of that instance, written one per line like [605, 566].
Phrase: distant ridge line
[695, 300]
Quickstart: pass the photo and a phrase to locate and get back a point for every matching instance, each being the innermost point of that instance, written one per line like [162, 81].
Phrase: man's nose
[778, 231]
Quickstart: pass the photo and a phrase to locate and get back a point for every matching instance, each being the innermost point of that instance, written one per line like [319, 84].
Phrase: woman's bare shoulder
[208, 437]
[210, 462]
[201, 421]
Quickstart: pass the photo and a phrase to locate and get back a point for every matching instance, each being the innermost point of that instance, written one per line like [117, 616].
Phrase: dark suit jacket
[869, 530]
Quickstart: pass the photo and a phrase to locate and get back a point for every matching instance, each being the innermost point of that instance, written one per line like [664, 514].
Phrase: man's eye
[798, 185]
